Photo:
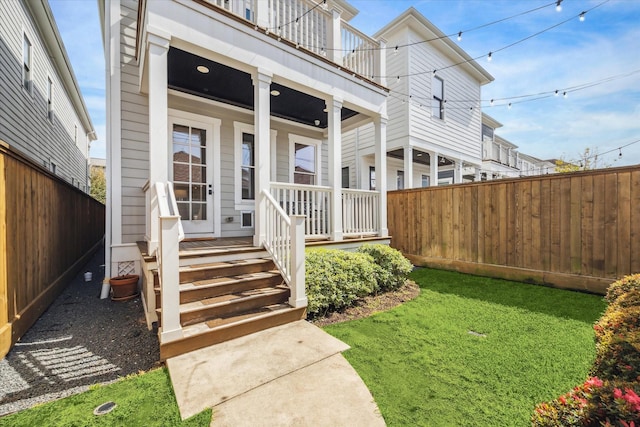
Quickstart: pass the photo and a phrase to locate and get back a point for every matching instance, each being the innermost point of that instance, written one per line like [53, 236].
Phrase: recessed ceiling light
[202, 69]
[275, 92]
[325, 110]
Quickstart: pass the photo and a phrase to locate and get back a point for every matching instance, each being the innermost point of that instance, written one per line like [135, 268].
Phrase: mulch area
[371, 305]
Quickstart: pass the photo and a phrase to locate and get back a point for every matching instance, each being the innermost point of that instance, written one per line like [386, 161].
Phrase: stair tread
[221, 322]
[223, 280]
[223, 264]
[231, 298]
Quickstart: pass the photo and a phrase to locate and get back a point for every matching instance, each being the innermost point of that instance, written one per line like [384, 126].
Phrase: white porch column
[433, 169]
[381, 61]
[478, 175]
[380, 129]
[334, 52]
[261, 117]
[158, 47]
[334, 109]
[457, 172]
[408, 167]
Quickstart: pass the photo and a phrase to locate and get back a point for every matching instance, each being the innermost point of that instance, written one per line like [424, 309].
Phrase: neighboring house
[42, 113]
[237, 108]
[501, 158]
[434, 132]
[97, 163]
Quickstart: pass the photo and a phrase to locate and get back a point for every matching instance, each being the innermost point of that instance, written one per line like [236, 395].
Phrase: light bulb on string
[559, 6]
[620, 153]
[556, 94]
[489, 57]
[460, 36]
[509, 106]
[491, 103]
[582, 16]
[395, 50]
[565, 95]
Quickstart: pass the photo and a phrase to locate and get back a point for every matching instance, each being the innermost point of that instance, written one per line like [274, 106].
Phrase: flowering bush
[623, 286]
[611, 396]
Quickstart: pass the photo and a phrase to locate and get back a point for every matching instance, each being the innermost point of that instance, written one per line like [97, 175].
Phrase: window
[50, 99]
[248, 167]
[425, 180]
[400, 180]
[437, 103]
[26, 64]
[372, 178]
[304, 168]
[487, 131]
[345, 177]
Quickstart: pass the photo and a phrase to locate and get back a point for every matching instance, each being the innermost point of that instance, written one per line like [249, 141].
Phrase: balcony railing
[310, 25]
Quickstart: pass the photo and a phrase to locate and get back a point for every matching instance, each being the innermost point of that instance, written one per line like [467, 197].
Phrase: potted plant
[124, 288]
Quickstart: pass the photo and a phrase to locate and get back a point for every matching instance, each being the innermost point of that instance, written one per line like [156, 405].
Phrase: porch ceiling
[234, 87]
[420, 157]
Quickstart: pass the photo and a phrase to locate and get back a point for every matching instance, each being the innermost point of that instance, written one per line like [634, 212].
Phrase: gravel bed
[79, 341]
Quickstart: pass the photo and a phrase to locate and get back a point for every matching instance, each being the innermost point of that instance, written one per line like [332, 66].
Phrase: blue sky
[607, 43]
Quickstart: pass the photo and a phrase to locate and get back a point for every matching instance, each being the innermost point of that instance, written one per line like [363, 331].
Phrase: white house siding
[397, 105]
[459, 134]
[24, 116]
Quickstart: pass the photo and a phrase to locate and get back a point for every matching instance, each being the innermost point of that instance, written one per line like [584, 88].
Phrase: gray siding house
[42, 112]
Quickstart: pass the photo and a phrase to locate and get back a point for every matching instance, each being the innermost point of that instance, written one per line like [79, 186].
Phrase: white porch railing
[284, 240]
[358, 51]
[314, 202]
[310, 25]
[360, 212]
[170, 235]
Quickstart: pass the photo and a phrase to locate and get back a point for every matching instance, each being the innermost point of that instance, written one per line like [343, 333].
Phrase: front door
[191, 172]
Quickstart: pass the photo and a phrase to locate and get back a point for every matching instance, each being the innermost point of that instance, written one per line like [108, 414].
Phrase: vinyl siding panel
[24, 114]
[459, 133]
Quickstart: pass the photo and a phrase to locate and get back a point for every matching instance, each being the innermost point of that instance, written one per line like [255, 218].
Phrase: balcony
[312, 26]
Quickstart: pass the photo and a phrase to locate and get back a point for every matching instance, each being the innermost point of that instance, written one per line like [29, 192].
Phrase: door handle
[210, 190]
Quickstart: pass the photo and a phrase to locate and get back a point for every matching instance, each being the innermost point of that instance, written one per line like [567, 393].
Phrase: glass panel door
[191, 176]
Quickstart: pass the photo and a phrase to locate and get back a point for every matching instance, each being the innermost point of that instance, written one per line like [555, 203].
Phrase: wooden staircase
[226, 295]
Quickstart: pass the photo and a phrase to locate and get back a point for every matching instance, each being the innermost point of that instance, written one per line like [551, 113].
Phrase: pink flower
[562, 400]
[633, 399]
[594, 382]
[617, 393]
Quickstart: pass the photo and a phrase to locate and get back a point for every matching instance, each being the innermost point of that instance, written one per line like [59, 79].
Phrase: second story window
[26, 63]
[50, 99]
[437, 103]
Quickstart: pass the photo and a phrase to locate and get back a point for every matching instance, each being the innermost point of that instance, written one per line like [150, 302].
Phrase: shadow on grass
[540, 299]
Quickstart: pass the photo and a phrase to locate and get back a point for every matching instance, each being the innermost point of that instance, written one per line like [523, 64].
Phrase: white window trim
[304, 140]
[50, 107]
[442, 115]
[238, 129]
[29, 89]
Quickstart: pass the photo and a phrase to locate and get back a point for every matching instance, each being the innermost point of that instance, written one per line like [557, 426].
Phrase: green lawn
[424, 367]
[143, 400]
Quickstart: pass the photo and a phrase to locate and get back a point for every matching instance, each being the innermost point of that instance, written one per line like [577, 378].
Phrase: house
[501, 158]
[225, 122]
[435, 121]
[42, 111]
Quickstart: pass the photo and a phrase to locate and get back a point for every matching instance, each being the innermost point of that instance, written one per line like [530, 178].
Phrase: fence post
[298, 296]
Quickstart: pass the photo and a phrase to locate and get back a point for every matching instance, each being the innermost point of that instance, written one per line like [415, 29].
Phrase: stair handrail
[284, 240]
[169, 236]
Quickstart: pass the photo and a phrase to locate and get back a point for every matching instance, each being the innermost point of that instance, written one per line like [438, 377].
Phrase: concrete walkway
[291, 375]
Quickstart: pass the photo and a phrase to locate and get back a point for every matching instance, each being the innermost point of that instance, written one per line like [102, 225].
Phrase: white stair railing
[312, 201]
[360, 212]
[170, 235]
[284, 240]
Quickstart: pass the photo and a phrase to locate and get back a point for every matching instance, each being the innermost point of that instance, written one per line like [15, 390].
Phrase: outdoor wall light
[275, 92]
[203, 69]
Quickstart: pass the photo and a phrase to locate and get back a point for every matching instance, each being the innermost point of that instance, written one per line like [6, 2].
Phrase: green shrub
[622, 286]
[393, 268]
[335, 279]
[611, 396]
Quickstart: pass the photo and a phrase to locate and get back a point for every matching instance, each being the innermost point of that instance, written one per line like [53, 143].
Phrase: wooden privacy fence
[48, 231]
[578, 230]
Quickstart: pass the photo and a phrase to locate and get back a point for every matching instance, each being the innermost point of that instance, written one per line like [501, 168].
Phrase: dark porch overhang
[231, 86]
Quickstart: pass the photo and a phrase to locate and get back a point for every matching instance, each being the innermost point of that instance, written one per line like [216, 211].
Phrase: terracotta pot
[124, 288]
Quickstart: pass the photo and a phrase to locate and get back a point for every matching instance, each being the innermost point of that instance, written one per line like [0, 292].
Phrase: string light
[565, 95]
[509, 106]
[460, 36]
[489, 57]
[491, 103]
[582, 16]
[559, 5]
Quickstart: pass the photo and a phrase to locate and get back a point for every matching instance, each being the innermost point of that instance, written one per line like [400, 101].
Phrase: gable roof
[43, 18]
[413, 19]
